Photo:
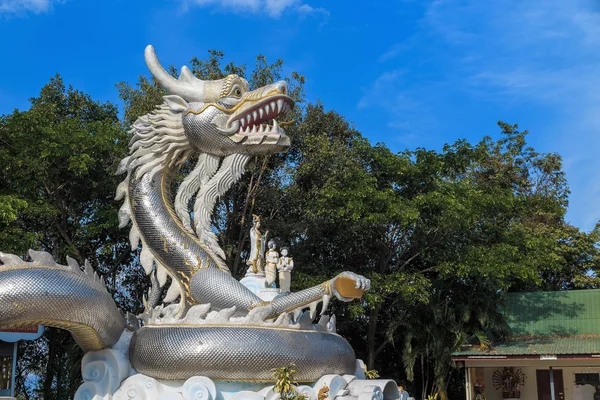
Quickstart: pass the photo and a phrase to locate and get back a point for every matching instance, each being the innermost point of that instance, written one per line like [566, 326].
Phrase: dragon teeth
[276, 106]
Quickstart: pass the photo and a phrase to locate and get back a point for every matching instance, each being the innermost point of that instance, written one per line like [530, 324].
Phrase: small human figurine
[271, 259]
[403, 393]
[479, 387]
[256, 260]
[285, 265]
[323, 393]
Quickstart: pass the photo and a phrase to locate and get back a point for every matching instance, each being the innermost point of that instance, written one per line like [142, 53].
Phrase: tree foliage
[56, 173]
[442, 235]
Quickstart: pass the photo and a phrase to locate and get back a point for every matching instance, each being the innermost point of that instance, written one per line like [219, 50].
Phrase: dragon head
[224, 116]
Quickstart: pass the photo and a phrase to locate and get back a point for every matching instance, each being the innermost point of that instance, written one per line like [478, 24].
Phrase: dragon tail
[42, 292]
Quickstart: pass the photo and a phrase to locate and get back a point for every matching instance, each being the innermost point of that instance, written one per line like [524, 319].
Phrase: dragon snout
[274, 89]
[281, 86]
[258, 120]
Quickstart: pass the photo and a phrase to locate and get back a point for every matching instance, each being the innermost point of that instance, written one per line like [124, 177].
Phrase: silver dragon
[219, 328]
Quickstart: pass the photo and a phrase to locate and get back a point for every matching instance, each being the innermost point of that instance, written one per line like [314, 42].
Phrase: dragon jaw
[253, 120]
[247, 126]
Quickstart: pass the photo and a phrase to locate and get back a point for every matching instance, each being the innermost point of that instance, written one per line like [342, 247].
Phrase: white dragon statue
[219, 329]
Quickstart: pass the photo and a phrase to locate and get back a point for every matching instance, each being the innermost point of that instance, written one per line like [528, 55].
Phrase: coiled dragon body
[219, 328]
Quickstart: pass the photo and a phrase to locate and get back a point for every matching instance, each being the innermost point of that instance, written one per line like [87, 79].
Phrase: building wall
[529, 390]
[6, 368]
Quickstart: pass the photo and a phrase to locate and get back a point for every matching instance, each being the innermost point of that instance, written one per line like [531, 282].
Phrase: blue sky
[408, 72]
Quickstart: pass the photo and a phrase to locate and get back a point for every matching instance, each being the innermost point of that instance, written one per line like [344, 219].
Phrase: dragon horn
[187, 86]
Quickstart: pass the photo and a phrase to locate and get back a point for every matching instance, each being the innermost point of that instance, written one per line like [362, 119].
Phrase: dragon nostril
[282, 87]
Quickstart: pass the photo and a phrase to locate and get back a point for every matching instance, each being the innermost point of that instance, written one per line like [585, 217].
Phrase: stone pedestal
[254, 282]
[103, 380]
[258, 285]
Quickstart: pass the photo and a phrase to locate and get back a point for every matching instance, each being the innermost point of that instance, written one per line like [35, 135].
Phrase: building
[7, 363]
[8, 355]
[555, 345]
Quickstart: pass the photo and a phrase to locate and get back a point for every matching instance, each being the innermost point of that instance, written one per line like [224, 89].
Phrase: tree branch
[64, 234]
[251, 193]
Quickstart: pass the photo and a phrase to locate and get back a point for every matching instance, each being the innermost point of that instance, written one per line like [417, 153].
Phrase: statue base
[347, 387]
[258, 285]
[108, 375]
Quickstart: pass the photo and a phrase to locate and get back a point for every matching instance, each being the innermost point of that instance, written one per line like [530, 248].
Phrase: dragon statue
[220, 339]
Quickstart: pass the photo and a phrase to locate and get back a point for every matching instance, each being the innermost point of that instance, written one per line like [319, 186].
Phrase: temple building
[6, 369]
[8, 355]
[553, 353]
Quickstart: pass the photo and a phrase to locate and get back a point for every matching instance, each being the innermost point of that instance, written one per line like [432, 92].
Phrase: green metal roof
[538, 345]
[570, 312]
[565, 322]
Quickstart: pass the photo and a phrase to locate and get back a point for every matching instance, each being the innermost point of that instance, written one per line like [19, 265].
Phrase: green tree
[425, 227]
[56, 163]
[438, 233]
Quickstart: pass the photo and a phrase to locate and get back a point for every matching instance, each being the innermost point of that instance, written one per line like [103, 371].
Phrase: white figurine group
[269, 263]
[284, 264]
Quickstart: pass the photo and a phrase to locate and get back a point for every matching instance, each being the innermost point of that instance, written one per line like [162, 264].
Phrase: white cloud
[384, 82]
[526, 53]
[392, 52]
[309, 10]
[241, 6]
[545, 53]
[407, 110]
[273, 8]
[276, 7]
[18, 7]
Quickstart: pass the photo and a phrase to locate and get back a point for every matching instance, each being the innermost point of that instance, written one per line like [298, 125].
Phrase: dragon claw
[348, 286]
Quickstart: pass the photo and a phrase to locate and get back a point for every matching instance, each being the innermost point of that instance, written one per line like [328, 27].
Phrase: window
[6, 364]
[588, 379]
[5, 372]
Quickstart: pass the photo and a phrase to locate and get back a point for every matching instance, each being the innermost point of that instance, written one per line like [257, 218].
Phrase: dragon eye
[236, 91]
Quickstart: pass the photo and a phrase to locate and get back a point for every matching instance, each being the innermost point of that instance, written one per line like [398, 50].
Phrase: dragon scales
[219, 328]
